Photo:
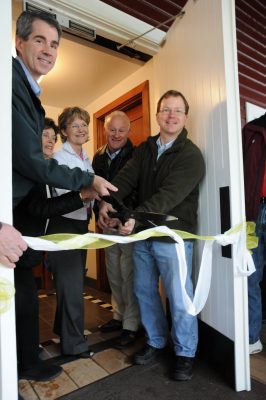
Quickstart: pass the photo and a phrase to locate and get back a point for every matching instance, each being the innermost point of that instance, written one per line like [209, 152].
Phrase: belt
[263, 199]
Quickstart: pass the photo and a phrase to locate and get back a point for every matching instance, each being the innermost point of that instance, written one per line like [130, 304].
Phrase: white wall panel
[192, 61]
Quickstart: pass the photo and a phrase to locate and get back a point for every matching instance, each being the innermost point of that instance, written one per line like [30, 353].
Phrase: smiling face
[76, 133]
[171, 118]
[48, 142]
[39, 51]
[117, 130]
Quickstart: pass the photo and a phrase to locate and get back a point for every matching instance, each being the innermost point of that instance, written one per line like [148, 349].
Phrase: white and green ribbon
[241, 237]
[7, 292]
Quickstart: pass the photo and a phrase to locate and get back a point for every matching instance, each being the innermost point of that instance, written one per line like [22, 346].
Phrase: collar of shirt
[33, 84]
[112, 155]
[163, 147]
[67, 147]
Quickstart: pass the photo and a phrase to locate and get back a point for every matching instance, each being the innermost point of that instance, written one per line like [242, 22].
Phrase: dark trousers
[68, 269]
[27, 318]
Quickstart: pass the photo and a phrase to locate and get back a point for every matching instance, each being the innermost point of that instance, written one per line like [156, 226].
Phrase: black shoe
[127, 338]
[42, 373]
[85, 354]
[111, 326]
[145, 355]
[183, 369]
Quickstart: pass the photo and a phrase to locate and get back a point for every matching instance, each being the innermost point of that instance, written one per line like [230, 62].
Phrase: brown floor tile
[60, 386]
[26, 390]
[84, 371]
[258, 367]
[106, 305]
[112, 360]
[46, 334]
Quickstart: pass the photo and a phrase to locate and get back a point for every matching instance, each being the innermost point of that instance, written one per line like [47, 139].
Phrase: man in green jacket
[37, 39]
[165, 171]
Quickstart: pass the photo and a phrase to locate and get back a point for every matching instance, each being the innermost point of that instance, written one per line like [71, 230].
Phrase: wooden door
[135, 104]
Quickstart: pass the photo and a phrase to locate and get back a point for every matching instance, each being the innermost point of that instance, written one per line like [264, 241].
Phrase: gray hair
[116, 113]
[26, 19]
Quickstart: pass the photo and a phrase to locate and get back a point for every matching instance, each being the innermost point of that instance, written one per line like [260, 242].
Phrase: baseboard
[218, 351]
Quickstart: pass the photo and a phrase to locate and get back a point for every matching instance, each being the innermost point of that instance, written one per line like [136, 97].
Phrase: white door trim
[8, 361]
[237, 206]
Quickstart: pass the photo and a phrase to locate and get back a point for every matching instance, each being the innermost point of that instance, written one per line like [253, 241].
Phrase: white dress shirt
[67, 156]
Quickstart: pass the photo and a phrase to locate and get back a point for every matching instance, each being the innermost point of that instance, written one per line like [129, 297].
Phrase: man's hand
[104, 221]
[89, 194]
[102, 186]
[127, 228]
[11, 245]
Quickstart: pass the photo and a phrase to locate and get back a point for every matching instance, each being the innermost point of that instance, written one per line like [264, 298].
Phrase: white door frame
[8, 360]
[237, 201]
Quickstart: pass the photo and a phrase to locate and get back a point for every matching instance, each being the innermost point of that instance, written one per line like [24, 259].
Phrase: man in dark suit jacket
[107, 162]
[37, 40]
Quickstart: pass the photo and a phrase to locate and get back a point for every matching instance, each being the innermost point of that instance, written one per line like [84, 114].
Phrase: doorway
[135, 104]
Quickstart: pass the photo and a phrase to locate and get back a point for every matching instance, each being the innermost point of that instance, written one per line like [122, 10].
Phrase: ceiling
[153, 12]
[85, 70]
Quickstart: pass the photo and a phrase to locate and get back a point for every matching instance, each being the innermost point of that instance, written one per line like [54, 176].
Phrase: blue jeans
[254, 289]
[154, 259]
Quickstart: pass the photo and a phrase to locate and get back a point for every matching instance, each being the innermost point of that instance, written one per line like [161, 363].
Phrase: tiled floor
[106, 360]
[77, 372]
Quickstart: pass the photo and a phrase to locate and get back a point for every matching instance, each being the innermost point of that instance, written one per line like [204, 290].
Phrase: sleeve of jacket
[127, 178]
[28, 159]
[42, 207]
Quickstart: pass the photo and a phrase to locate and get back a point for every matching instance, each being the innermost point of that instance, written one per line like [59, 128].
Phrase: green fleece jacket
[169, 185]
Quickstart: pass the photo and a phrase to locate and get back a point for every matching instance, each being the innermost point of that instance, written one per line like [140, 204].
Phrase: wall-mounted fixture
[106, 26]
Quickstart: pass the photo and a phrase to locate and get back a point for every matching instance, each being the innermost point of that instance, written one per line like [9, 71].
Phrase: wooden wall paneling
[251, 49]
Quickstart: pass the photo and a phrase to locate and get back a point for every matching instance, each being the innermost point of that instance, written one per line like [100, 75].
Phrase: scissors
[124, 213]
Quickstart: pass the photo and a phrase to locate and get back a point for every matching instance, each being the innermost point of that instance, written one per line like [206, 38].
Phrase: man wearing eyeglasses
[166, 171]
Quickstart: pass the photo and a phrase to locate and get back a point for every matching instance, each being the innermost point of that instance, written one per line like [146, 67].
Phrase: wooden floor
[106, 361]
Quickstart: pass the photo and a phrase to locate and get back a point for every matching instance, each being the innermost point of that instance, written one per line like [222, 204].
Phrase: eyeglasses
[175, 111]
[76, 127]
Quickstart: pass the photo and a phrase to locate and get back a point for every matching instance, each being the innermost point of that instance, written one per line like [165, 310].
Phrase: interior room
[177, 44]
